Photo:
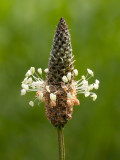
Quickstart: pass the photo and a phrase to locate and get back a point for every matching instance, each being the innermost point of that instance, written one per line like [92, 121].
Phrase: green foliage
[26, 32]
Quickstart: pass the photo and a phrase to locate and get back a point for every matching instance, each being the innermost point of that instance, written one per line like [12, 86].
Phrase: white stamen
[46, 70]
[64, 78]
[91, 86]
[31, 103]
[83, 86]
[25, 86]
[52, 97]
[76, 72]
[25, 80]
[28, 73]
[23, 92]
[69, 76]
[32, 70]
[40, 96]
[48, 89]
[90, 72]
[41, 82]
[74, 84]
[29, 80]
[87, 94]
[39, 71]
[96, 86]
[97, 81]
[85, 83]
[33, 85]
[94, 96]
[69, 95]
[83, 77]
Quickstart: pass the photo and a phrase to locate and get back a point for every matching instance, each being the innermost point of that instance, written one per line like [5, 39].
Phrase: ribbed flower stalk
[61, 145]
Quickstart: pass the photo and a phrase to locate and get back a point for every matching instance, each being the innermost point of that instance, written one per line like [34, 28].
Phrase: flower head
[60, 89]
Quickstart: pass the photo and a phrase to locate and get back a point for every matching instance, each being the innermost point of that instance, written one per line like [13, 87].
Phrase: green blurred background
[26, 35]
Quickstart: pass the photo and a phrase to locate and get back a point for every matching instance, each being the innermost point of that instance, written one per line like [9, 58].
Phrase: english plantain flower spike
[59, 90]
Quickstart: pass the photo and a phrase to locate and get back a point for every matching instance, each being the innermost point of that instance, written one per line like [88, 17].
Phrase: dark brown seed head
[61, 58]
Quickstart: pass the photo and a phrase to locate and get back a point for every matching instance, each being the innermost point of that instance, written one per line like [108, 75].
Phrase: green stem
[61, 145]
